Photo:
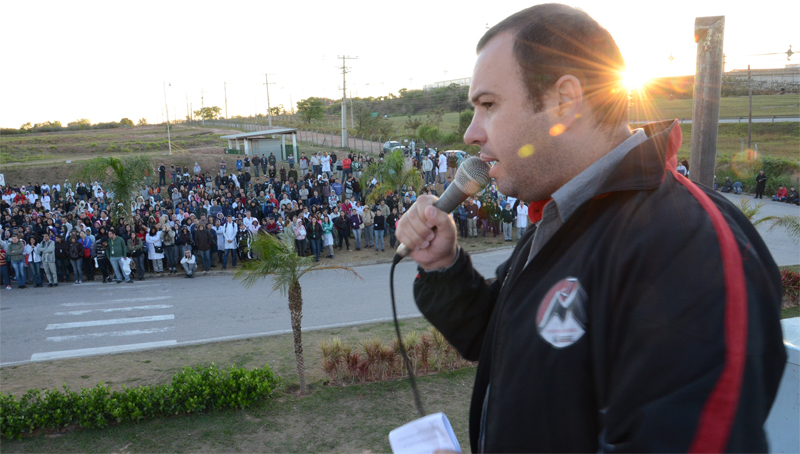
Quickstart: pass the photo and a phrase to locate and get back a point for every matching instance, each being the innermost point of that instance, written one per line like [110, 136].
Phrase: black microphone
[472, 176]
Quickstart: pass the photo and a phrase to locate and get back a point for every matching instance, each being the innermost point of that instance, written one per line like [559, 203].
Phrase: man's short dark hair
[552, 40]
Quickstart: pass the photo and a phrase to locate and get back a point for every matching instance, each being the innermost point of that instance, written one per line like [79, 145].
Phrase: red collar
[535, 210]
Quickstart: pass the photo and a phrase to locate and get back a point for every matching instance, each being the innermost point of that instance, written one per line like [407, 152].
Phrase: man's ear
[566, 103]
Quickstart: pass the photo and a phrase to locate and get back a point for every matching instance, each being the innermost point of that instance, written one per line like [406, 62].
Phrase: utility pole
[226, 99]
[291, 108]
[269, 108]
[169, 139]
[202, 106]
[352, 124]
[344, 99]
[188, 112]
[750, 112]
[708, 34]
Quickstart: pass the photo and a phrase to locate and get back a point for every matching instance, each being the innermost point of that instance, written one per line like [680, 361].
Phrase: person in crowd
[761, 184]
[203, 241]
[300, 237]
[327, 235]
[47, 251]
[100, 258]
[62, 257]
[314, 236]
[781, 194]
[136, 251]
[356, 226]
[728, 185]
[342, 226]
[155, 249]
[168, 236]
[378, 227]
[16, 256]
[792, 196]
[189, 263]
[117, 251]
[230, 246]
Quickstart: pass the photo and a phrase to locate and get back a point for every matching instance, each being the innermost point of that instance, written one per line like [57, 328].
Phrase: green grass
[774, 139]
[763, 105]
[664, 109]
[354, 418]
[16, 156]
[332, 419]
[790, 312]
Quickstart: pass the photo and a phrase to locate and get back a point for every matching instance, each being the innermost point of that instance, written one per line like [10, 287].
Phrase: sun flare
[633, 79]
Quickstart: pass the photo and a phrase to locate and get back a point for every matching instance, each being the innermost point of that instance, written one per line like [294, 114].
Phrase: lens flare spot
[525, 151]
[557, 130]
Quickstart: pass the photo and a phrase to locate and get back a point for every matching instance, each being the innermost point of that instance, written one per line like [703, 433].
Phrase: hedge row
[745, 168]
[192, 390]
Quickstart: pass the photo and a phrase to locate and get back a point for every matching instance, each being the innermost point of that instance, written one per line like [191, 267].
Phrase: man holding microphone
[639, 312]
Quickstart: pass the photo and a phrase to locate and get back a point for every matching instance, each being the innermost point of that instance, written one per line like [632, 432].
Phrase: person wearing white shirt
[522, 219]
[326, 164]
[229, 244]
[46, 201]
[248, 220]
[442, 167]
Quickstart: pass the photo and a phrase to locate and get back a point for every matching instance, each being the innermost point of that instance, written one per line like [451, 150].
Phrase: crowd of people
[192, 221]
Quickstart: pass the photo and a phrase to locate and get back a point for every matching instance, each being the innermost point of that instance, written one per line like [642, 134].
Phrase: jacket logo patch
[561, 318]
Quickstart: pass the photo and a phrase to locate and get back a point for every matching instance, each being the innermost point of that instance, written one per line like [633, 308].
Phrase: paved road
[737, 120]
[92, 318]
[95, 318]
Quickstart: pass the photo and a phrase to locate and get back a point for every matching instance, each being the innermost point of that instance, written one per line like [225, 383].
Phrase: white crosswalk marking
[113, 321]
[100, 350]
[134, 332]
[124, 300]
[117, 309]
[83, 338]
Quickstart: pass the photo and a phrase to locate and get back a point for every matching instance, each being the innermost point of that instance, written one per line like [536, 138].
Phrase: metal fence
[364, 143]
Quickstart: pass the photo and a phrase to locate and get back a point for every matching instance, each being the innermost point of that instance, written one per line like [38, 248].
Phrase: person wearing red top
[780, 196]
[346, 166]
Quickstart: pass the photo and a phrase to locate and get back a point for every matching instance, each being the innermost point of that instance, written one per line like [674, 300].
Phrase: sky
[107, 60]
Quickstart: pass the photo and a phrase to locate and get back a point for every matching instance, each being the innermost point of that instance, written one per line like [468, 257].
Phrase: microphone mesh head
[472, 176]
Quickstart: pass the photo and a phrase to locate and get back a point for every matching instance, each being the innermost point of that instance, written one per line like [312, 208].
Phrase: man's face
[507, 128]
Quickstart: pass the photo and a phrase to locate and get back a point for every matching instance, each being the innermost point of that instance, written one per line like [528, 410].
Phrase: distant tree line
[77, 125]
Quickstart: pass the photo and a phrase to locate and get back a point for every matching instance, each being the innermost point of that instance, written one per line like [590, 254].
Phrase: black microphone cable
[417, 401]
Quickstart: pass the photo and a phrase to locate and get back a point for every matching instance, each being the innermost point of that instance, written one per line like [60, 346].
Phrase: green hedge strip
[193, 390]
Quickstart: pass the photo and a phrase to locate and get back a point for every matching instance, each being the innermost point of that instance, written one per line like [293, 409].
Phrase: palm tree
[792, 225]
[392, 174]
[276, 256]
[788, 221]
[121, 177]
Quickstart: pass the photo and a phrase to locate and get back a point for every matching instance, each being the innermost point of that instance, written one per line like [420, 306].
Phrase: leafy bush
[745, 168]
[791, 288]
[372, 360]
[192, 390]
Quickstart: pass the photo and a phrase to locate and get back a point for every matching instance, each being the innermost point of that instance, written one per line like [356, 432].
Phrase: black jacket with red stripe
[648, 322]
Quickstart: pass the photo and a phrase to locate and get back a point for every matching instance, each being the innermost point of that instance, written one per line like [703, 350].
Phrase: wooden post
[750, 112]
[708, 34]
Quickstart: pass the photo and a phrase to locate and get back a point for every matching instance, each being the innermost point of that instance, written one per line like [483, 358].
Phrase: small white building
[264, 142]
[774, 76]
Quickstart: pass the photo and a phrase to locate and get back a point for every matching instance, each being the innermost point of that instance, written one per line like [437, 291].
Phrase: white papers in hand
[424, 436]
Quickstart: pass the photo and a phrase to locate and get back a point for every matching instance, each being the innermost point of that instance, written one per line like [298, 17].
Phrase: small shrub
[93, 145]
[192, 390]
[375, 360]
[791, 288]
